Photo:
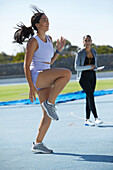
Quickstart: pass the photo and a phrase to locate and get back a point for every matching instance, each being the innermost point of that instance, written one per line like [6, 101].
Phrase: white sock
[49, 103]
[37, 143]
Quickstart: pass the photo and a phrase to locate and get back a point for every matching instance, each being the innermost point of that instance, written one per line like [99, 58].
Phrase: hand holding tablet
[99, 68]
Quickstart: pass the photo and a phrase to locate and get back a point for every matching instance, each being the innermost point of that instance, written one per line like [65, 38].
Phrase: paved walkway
[75, 146]
[100, 75]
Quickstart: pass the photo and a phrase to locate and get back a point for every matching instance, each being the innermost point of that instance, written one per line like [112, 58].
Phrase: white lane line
[78, 117]
[72, 114]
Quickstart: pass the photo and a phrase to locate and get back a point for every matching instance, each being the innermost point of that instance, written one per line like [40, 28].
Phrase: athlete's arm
[60, 44]
[32, 46]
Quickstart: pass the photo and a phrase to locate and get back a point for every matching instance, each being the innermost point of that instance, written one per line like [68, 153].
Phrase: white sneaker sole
[39, 151]
[98, 123]
[89, 125]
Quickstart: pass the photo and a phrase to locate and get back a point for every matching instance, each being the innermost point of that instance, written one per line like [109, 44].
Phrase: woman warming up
[45, 81]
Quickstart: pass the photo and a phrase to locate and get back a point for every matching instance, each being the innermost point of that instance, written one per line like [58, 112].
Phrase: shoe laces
[53, 108]
[41, 145]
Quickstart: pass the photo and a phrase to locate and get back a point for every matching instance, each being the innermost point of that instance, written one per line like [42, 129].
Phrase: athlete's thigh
[43, 94]
[47, 77]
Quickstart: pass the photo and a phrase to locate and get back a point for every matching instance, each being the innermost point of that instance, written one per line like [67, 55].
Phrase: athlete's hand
[60, 44]
[32, 93]
[92, 67]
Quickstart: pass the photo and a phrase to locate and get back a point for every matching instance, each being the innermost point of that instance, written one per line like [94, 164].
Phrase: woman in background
[85, 63]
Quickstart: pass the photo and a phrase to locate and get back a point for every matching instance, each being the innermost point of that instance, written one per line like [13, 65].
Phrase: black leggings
[88, 82]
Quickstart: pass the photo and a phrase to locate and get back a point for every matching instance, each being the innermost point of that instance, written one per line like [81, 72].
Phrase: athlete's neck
[42, 36]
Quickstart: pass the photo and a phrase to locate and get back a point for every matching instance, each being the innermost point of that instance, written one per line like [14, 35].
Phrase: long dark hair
[24, 32]
[86, 36]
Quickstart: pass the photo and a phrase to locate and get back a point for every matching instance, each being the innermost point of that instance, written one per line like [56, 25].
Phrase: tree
[19, 57]
[103, 49]
[68, 44]
[74, 48]
[4, 58]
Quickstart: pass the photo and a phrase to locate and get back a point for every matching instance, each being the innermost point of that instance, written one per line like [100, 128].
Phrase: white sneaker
[50, 110]
[98, 121]
[40, 148]
[89, 123]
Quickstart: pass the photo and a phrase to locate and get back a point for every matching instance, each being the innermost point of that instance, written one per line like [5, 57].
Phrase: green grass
[13, 92]
[16, 92]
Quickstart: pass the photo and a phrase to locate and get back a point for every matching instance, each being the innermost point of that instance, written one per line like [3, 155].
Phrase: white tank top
[45, 52]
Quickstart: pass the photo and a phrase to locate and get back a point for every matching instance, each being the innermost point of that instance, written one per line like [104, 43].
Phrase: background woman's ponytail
[24, 32]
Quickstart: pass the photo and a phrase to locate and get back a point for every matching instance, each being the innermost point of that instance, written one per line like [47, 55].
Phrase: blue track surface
[62, 98]
[76, 147]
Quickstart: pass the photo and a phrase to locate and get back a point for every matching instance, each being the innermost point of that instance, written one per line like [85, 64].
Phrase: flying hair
[24, 32]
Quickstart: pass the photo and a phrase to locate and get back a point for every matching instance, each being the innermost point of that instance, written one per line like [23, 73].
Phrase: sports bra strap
[48, 38]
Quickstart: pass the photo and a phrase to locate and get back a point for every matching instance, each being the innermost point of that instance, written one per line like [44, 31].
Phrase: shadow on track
[92, 158]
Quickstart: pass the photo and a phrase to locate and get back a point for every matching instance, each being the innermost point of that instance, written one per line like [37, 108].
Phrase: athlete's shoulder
[32, 40]
[81, 51]
[32, 43]
[50, 38]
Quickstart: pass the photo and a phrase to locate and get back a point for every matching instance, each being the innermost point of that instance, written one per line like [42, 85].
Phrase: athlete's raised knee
[68, 74]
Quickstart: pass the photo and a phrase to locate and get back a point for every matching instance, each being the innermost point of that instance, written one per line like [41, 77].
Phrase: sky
[71, 19]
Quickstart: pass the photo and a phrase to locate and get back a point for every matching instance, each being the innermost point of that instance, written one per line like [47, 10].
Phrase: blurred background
[71, 19]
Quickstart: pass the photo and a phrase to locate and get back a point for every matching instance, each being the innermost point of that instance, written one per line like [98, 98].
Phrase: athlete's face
[87, 42]
[43, 24]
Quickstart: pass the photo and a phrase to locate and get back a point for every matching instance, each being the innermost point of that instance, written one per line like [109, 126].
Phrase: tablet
[99, 68]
